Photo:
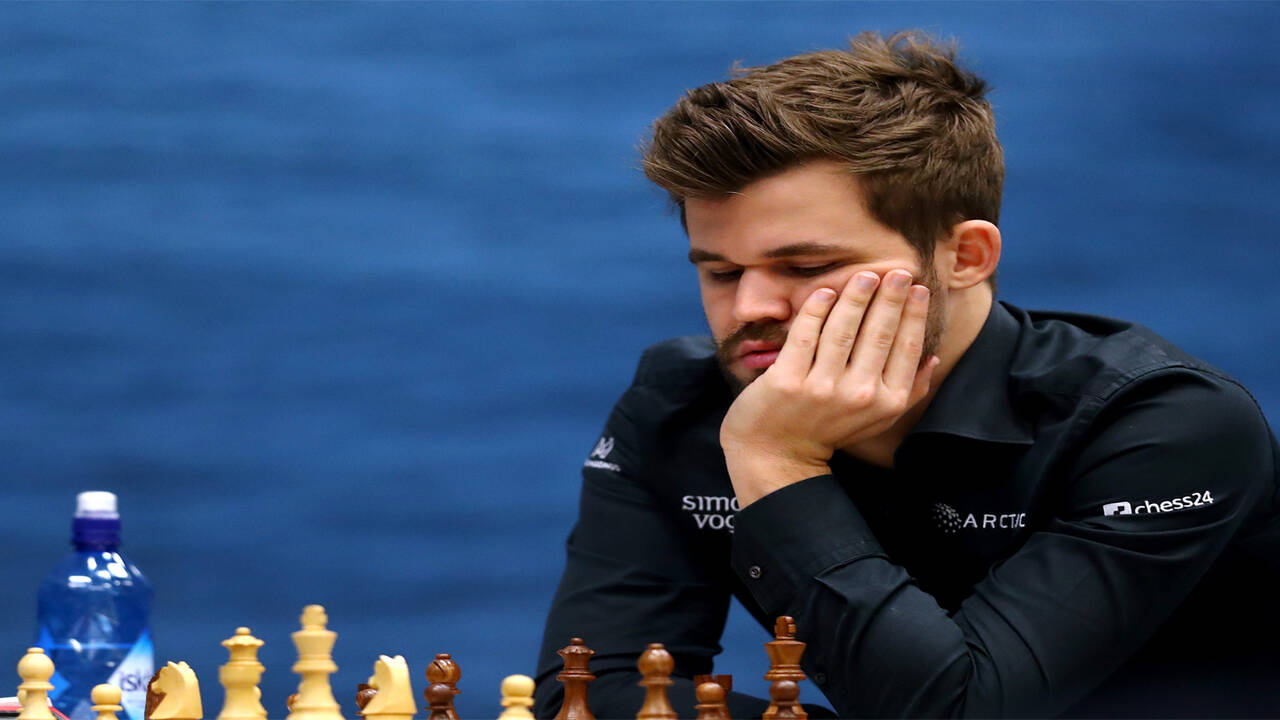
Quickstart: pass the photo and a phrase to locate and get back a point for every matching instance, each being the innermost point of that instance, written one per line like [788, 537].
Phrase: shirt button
[755, 572]
[820, 678]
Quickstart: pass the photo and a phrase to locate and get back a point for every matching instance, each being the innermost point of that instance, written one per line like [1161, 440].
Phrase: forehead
[817, 204]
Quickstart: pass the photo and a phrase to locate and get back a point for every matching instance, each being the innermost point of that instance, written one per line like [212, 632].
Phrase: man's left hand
[849, 369]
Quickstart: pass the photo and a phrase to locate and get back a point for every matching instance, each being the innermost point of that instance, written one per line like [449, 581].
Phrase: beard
[775, 331]
[727, 349]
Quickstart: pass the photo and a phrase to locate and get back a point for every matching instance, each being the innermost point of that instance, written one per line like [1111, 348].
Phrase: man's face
[761, 252]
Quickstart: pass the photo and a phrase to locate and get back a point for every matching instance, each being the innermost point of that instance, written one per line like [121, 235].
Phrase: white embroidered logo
[603, 447]
[1151, 507]
[711, 512]
[950, 521]
[947, 518]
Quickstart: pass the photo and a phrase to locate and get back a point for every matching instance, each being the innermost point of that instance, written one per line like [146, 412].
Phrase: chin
[739, 378]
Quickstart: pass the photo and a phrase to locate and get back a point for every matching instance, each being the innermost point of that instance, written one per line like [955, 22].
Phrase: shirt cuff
[790, 536]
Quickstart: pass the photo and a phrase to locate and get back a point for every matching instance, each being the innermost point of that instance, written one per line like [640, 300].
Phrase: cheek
[717, 305]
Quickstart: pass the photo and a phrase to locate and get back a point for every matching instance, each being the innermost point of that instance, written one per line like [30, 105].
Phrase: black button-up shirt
[1083, 522]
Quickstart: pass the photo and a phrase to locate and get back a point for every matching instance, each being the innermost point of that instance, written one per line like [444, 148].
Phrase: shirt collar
[975, 399]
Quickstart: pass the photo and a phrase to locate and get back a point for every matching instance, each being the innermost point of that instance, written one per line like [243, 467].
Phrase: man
[969, 509]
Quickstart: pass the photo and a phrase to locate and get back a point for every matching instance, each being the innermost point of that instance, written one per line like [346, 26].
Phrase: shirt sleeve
[1057, 617]
[629, 580]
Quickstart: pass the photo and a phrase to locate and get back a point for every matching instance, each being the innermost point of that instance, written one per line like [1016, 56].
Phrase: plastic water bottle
[93, 612]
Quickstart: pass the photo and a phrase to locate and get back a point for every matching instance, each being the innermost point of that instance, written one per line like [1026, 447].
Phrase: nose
[761, 296]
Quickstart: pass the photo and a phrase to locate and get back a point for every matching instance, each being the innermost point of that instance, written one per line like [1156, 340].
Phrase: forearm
[1040, 631]
[877, 644]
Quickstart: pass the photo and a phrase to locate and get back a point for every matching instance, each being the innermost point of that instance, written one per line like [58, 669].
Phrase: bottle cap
[96, 504]
[96, 525]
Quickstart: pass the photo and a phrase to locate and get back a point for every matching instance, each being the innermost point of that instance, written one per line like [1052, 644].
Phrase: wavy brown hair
[910, 124]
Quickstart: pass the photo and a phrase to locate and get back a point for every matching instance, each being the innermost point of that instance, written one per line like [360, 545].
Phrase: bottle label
[133, 674]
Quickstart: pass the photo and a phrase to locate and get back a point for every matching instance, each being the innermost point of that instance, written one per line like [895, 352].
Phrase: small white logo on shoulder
[598, 455]
[711, 512]
[1153, 507]
[603, 447]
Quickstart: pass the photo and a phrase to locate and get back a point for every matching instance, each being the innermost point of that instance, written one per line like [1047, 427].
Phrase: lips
[758, 354]
[749, 350]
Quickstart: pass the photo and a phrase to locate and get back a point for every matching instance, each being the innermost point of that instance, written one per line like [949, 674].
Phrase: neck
[966, 313]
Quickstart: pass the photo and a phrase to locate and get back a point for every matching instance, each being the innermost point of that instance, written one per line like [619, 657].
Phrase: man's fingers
[880, 326]
[796, 355]
[904, 357]
[841, 328]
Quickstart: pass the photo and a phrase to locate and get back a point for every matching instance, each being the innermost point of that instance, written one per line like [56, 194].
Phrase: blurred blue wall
[337, 296]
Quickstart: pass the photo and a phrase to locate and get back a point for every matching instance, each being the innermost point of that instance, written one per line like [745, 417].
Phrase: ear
[972, 251]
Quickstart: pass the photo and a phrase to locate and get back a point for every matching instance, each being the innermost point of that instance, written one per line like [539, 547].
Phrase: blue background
[337, 296]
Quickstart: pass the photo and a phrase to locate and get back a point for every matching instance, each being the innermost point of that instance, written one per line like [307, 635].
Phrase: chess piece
[785, 695]
[176, 694]
[444, 671]
[724, 681]
[240, 676]
[655, 666]
[35, 668]
[364, 693]
[784, 660]
[711, 701]
[575, 677]
[517, 697]
[315, 664]
[393, 699]
[106, 701]
[154, 696]
[439, 701]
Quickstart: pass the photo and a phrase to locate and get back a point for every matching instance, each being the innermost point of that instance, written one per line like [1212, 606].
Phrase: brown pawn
[784, 660]
[655, 666]
[724, 681]
[711, 701]
[154, 696]
[574, 677]
[785, 695]
[364, 693]
[440, 702]
[444, 671]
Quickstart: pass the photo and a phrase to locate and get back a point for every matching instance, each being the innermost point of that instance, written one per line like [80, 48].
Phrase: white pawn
[35, 668]
[240, 676]
[106, 701]
[395, 700]
[180, 689]
[517, 697]
[315, 664]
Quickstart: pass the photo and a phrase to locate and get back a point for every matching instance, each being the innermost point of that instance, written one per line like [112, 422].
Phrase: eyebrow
[697, 255]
